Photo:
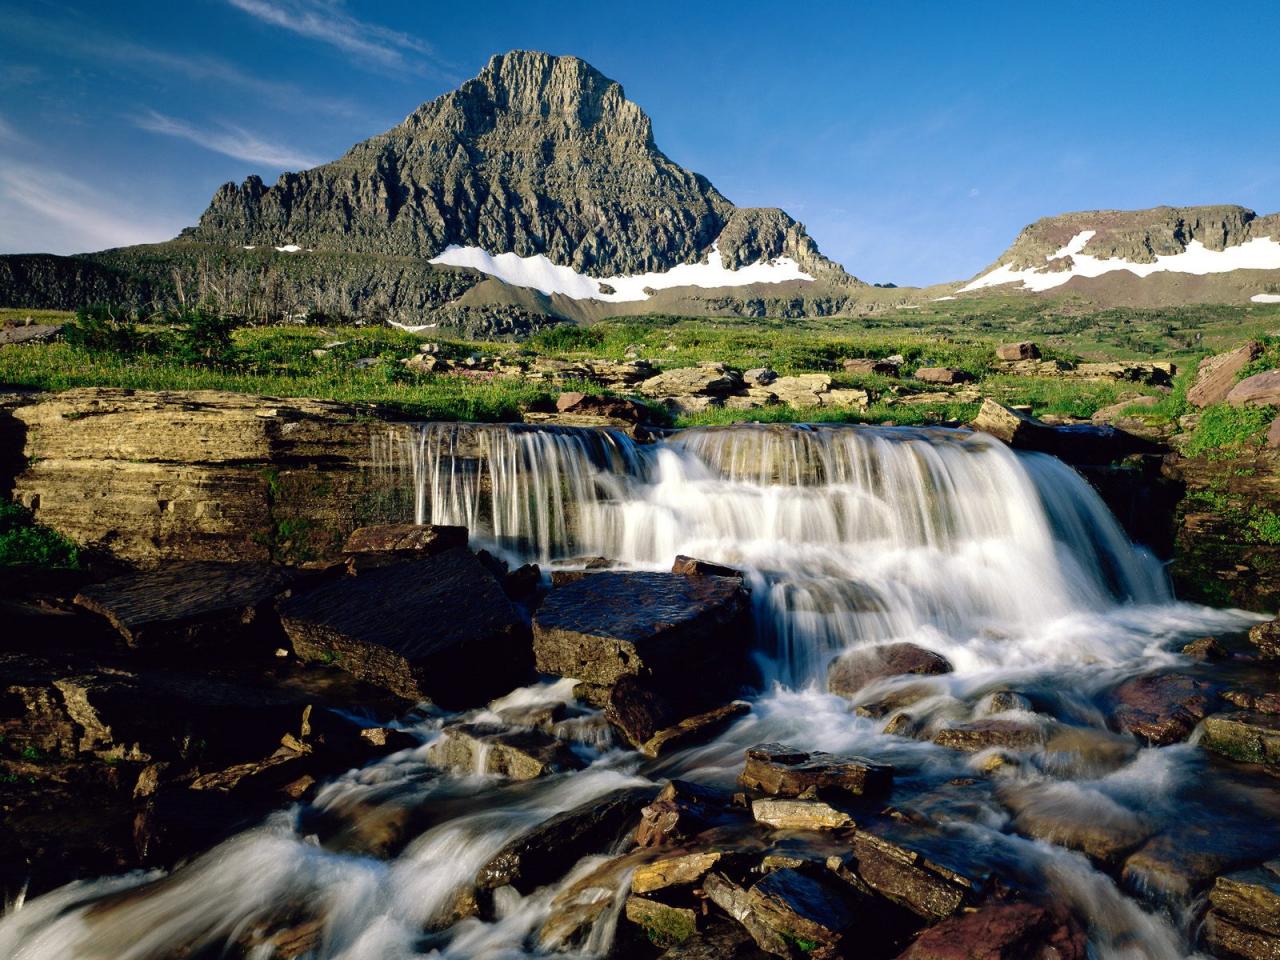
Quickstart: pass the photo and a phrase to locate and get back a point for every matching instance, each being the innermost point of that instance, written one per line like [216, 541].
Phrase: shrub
[24, 543]
[1224, 429]
[104, 329]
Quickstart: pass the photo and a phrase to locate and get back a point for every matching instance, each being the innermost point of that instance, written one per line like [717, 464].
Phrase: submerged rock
[850, 672]
[1162, 709]
[1076, 819]
[1002, 931]
[783, 771]
[992, 732]
[438, 629]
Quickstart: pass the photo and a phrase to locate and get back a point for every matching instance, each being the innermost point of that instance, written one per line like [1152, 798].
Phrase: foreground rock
[1078, 444]
[788, 913]
[849, 673]
[784, 814]
[894, 869]
[517, 754]
[1162, 709]
[1244, 915]
[544, 853]
[185, 606]
[1248, 737]
[438, 629]
[1266, 638]
[1217, 374]
[682, 810]
[1002, 931]
[783, 771]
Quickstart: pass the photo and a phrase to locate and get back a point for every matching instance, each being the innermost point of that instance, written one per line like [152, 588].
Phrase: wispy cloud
[228, 139]
[48, 211]
[328, 22]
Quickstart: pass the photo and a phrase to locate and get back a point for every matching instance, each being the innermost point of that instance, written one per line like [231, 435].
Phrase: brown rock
[702, 568]
[1162, 709]
[695, 729]
[783, 771]
[439, 628]
[787, 814]
[803, 910]
[1217, 374]
[410, 539]
[1247, 737]
[1266, 637]
[1001, 931]
[1250, 898]
[615, 409]
[664, 924]
[866, 365]
[1175, 865]
[1206, 648]
[892, 868]
[1260, 390]
[946, 376]
[682, 810]
[995, 732]
[1237, 941]
[517, 754]
[1024, 350]
[681, 870]
[1265, 702]
[850, 672]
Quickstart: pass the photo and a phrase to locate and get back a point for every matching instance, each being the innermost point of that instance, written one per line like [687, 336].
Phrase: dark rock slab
[189, 605]
[696, 729]
[867, 365]
[894, 868]
[521, 754]
[438, 629]
[810, 913]
[1250, 898]
[1257, 702]
[1248, 737]
[1208, 649]
[658, 722]
[408, 539]
[682, 810]
[851, 671]
[1175, 865]
[675, 629]
[783, 771]
[1162, 709]
[719, 939]
[1002, 931]
[546, 852]
[1235, 941]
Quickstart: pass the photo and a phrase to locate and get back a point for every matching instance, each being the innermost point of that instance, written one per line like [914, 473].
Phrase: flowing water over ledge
[1008, 564]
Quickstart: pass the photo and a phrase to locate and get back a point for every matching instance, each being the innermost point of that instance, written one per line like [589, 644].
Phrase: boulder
[891, 867]
[866, 365]
[695, 729]
[1217, 374]
[546, 852]
[783, 771]
[1002, 931]
[787, 814]
[1209, 649]
[760, 377]
[405, 539]
[682, 810]
[1244, 914]
[802, 390]
[691, 567]
[1260, 390]
[663, 924]
[485, 748]
[1023, 350]
[667, 627]
[613, 409]
[810, 912]
[706, 379]
[946, 376]
[1266, 637]
[1162, 709]
[1247, 737]
[993, 732]
[184, 606]
[850, 672]
[680, 870]
[438, 629]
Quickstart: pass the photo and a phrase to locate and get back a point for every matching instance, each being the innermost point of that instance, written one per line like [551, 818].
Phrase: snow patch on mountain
[541, 274]
[1259, 253]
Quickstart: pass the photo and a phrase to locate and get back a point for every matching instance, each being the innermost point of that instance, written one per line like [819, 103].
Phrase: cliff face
[536, 155]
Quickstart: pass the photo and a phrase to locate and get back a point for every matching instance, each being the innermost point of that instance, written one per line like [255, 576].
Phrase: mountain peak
[537, 155]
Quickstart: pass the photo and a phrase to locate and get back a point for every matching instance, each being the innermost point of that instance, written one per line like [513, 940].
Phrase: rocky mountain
[538, 155]
[1104, 251]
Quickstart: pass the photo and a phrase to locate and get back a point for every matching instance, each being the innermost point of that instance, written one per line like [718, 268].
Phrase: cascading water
[1008, 564]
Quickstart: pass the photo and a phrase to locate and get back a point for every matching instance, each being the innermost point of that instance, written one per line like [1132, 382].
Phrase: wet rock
[1162, 709]
[850, 672]
[695, 729]
[785, 814]
[1002, 701]
[405, 539]
[702, 568]
[866, 365]
[682, 810]
[1217, 374]
[736, 902]
[1076, 819]
[783, 771]
[1175, 865]
[896, 700]
[1266, 702]
[517, 754]
[1208, 649]
[1250, 898]
[676, 631]
[893, 868]
[1235, 941]
[719, 939]
[681, 870]
[663, 924]
[1266, 637]
[1247, 737]
[1260, 390]
[438, 629]
[988, 733]
[943, 375]
[543, 854]
[186, 606]
[1023, 350]
[1001, 931]
[576, 909]
[810, 914]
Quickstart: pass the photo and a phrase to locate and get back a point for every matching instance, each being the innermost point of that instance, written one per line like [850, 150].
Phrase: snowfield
[1266, 298]
[1260, 253]
[541, 274]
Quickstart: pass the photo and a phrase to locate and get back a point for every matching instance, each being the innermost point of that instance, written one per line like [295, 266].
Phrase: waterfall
[849, 534]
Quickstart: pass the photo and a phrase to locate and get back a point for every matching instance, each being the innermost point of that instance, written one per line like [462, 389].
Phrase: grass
[1225, 431]
[25, 543]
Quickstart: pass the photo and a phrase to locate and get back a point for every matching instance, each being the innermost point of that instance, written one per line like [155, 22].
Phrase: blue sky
[914, 139]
